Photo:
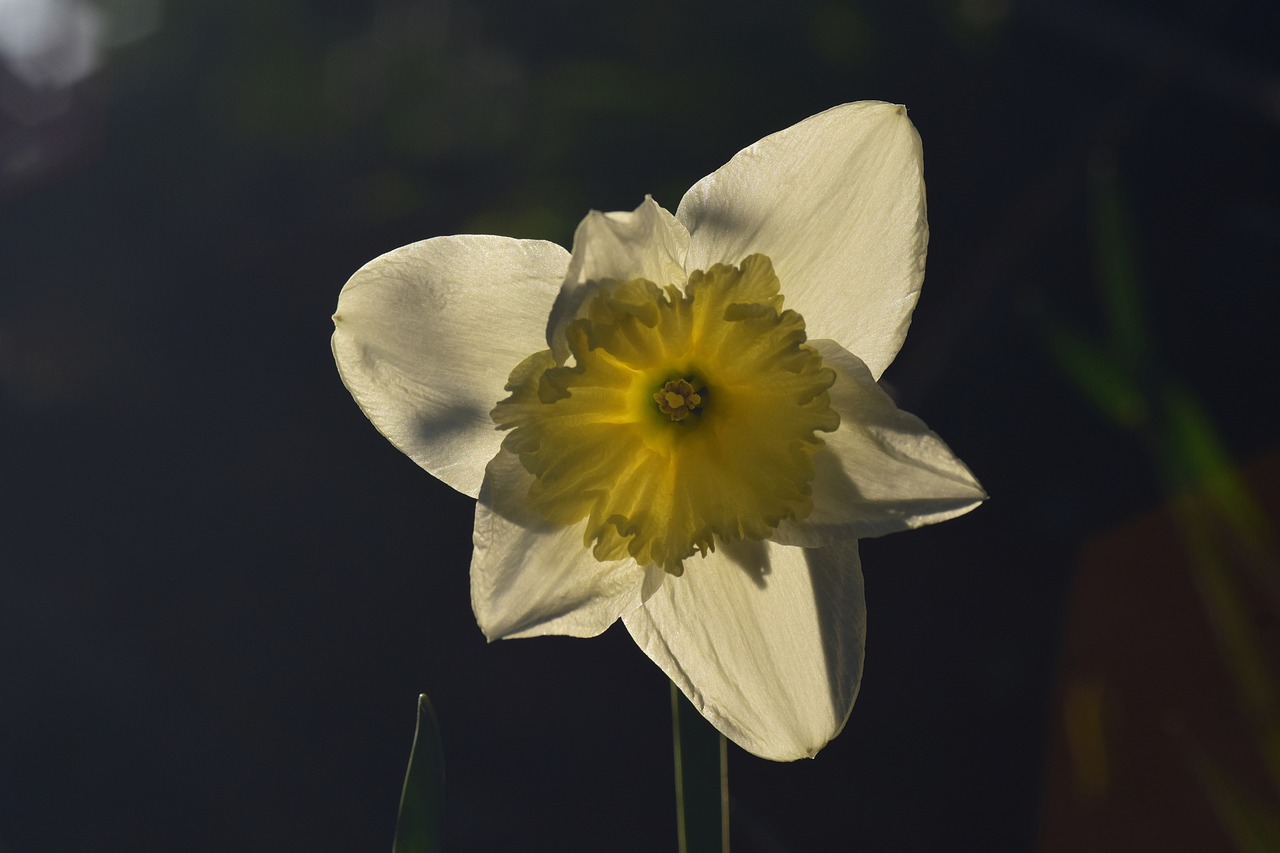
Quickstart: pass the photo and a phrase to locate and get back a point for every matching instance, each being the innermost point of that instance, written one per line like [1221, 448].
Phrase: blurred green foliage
[1221, 524]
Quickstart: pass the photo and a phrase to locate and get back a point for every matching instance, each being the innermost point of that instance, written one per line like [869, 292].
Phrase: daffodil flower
[653, 436]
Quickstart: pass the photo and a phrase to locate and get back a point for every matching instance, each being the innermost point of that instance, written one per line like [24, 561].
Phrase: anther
[677, 399]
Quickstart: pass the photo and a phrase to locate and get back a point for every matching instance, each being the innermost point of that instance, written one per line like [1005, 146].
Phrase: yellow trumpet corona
[683, 417]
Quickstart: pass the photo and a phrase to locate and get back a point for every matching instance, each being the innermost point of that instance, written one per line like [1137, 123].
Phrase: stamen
[677, 399]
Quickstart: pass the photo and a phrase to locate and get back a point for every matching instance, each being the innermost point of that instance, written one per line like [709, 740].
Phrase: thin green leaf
[1229, 613]
[1202, 457]
[420, 825]
[1118, 272]
[1254, 826]
[1195, 459]
[1100, 377]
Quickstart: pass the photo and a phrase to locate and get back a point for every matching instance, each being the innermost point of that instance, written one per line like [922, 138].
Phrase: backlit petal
[645, 243]
[529, 577]
[882, 471]
[426, 335]
[765, 640]
[837, 202]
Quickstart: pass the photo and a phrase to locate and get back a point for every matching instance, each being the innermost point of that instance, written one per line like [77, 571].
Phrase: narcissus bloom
[678, 423]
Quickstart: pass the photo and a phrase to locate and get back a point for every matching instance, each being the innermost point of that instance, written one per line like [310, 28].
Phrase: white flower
[674, 447]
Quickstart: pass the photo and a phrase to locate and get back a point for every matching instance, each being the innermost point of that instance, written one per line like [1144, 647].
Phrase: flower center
[681, 419]
[677, 399]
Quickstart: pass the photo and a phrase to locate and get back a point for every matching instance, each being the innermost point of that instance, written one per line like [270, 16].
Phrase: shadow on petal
[448, 423]
[750, 556]
[835, 573]
[721, 219]
[531, 577]
[844, 510]
[506, 492]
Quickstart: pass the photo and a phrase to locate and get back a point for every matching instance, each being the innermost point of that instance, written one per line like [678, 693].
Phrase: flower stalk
[702, 780]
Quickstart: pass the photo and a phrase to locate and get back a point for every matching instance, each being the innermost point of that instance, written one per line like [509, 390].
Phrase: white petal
[882, 471]
[426, 336]
[837, 202]
[530, 578]
[645, 243]
[765, 640]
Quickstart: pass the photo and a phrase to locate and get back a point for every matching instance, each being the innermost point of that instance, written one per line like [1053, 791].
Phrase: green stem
[702, 780]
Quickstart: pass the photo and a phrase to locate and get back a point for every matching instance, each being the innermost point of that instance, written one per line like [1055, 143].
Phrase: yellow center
[682, 419]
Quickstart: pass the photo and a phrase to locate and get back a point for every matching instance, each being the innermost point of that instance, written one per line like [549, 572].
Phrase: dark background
[221, 590]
